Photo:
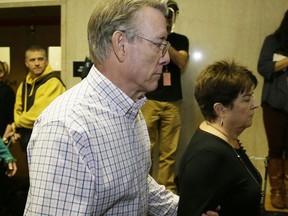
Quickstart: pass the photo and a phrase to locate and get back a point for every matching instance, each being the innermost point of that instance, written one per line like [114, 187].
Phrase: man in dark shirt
[162, 110]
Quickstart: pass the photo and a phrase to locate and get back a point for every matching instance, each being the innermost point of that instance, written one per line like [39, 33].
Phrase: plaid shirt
[89, 154]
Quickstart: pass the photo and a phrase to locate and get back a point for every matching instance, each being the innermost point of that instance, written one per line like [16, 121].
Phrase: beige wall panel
[226, 29]
[78, 14]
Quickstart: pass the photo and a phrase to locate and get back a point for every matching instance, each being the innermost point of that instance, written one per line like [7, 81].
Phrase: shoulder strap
[23, 93]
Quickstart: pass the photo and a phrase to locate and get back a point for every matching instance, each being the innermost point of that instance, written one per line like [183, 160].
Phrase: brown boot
[275, 172]
[286, 182]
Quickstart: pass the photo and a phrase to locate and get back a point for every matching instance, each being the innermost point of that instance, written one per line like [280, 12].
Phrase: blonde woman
[7, 99]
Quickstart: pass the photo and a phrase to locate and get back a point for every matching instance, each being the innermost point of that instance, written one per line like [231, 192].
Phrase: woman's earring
[222, 121]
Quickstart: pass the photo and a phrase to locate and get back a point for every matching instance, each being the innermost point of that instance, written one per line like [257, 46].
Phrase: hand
[11, 169]
[212, 213]
[8, 130]
[15, 136]
[10, 134]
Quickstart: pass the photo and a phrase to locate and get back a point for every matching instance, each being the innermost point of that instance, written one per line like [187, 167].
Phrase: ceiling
[44, 15]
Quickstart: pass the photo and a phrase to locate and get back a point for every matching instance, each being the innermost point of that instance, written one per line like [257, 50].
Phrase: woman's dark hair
[222, 82]
[282, 33]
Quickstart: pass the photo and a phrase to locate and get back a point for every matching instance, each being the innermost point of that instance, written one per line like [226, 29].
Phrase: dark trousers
[276, 127]
[14, 190]
[13, 195]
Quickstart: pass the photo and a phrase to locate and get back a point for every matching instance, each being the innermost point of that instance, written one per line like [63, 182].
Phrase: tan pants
[163, 122]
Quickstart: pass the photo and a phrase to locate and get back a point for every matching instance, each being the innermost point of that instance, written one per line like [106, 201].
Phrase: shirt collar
[117, 99]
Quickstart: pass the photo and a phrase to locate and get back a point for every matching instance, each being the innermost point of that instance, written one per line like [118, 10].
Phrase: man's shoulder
[178, 41]
[271, 38]
[49, 76]
[178, 36]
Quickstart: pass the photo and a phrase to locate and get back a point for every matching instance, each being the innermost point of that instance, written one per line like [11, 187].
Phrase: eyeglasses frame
[165, 45]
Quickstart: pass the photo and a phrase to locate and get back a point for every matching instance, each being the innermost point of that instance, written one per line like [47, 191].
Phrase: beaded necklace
[248, 170]
[240, 159]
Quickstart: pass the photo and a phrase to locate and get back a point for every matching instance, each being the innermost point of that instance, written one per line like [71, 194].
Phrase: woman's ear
[219, 109]
[118, 45]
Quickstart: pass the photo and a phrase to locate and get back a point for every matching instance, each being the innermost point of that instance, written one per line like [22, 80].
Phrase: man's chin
[153, 87]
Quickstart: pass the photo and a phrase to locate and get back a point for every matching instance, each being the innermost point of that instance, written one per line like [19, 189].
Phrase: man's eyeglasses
[162, 46]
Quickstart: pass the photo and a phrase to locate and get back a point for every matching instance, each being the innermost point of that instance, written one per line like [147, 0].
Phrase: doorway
[22, 27]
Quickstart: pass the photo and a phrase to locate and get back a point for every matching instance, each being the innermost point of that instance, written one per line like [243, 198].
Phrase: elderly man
[89, 152]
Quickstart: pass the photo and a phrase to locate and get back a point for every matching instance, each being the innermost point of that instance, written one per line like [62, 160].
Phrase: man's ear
[26, 63]
[119, 41]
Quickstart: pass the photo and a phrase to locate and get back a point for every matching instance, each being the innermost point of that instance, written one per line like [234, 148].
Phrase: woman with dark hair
[215, 169]
[272, 65]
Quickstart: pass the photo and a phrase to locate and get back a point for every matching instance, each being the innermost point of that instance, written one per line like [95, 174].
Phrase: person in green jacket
[8, 158]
